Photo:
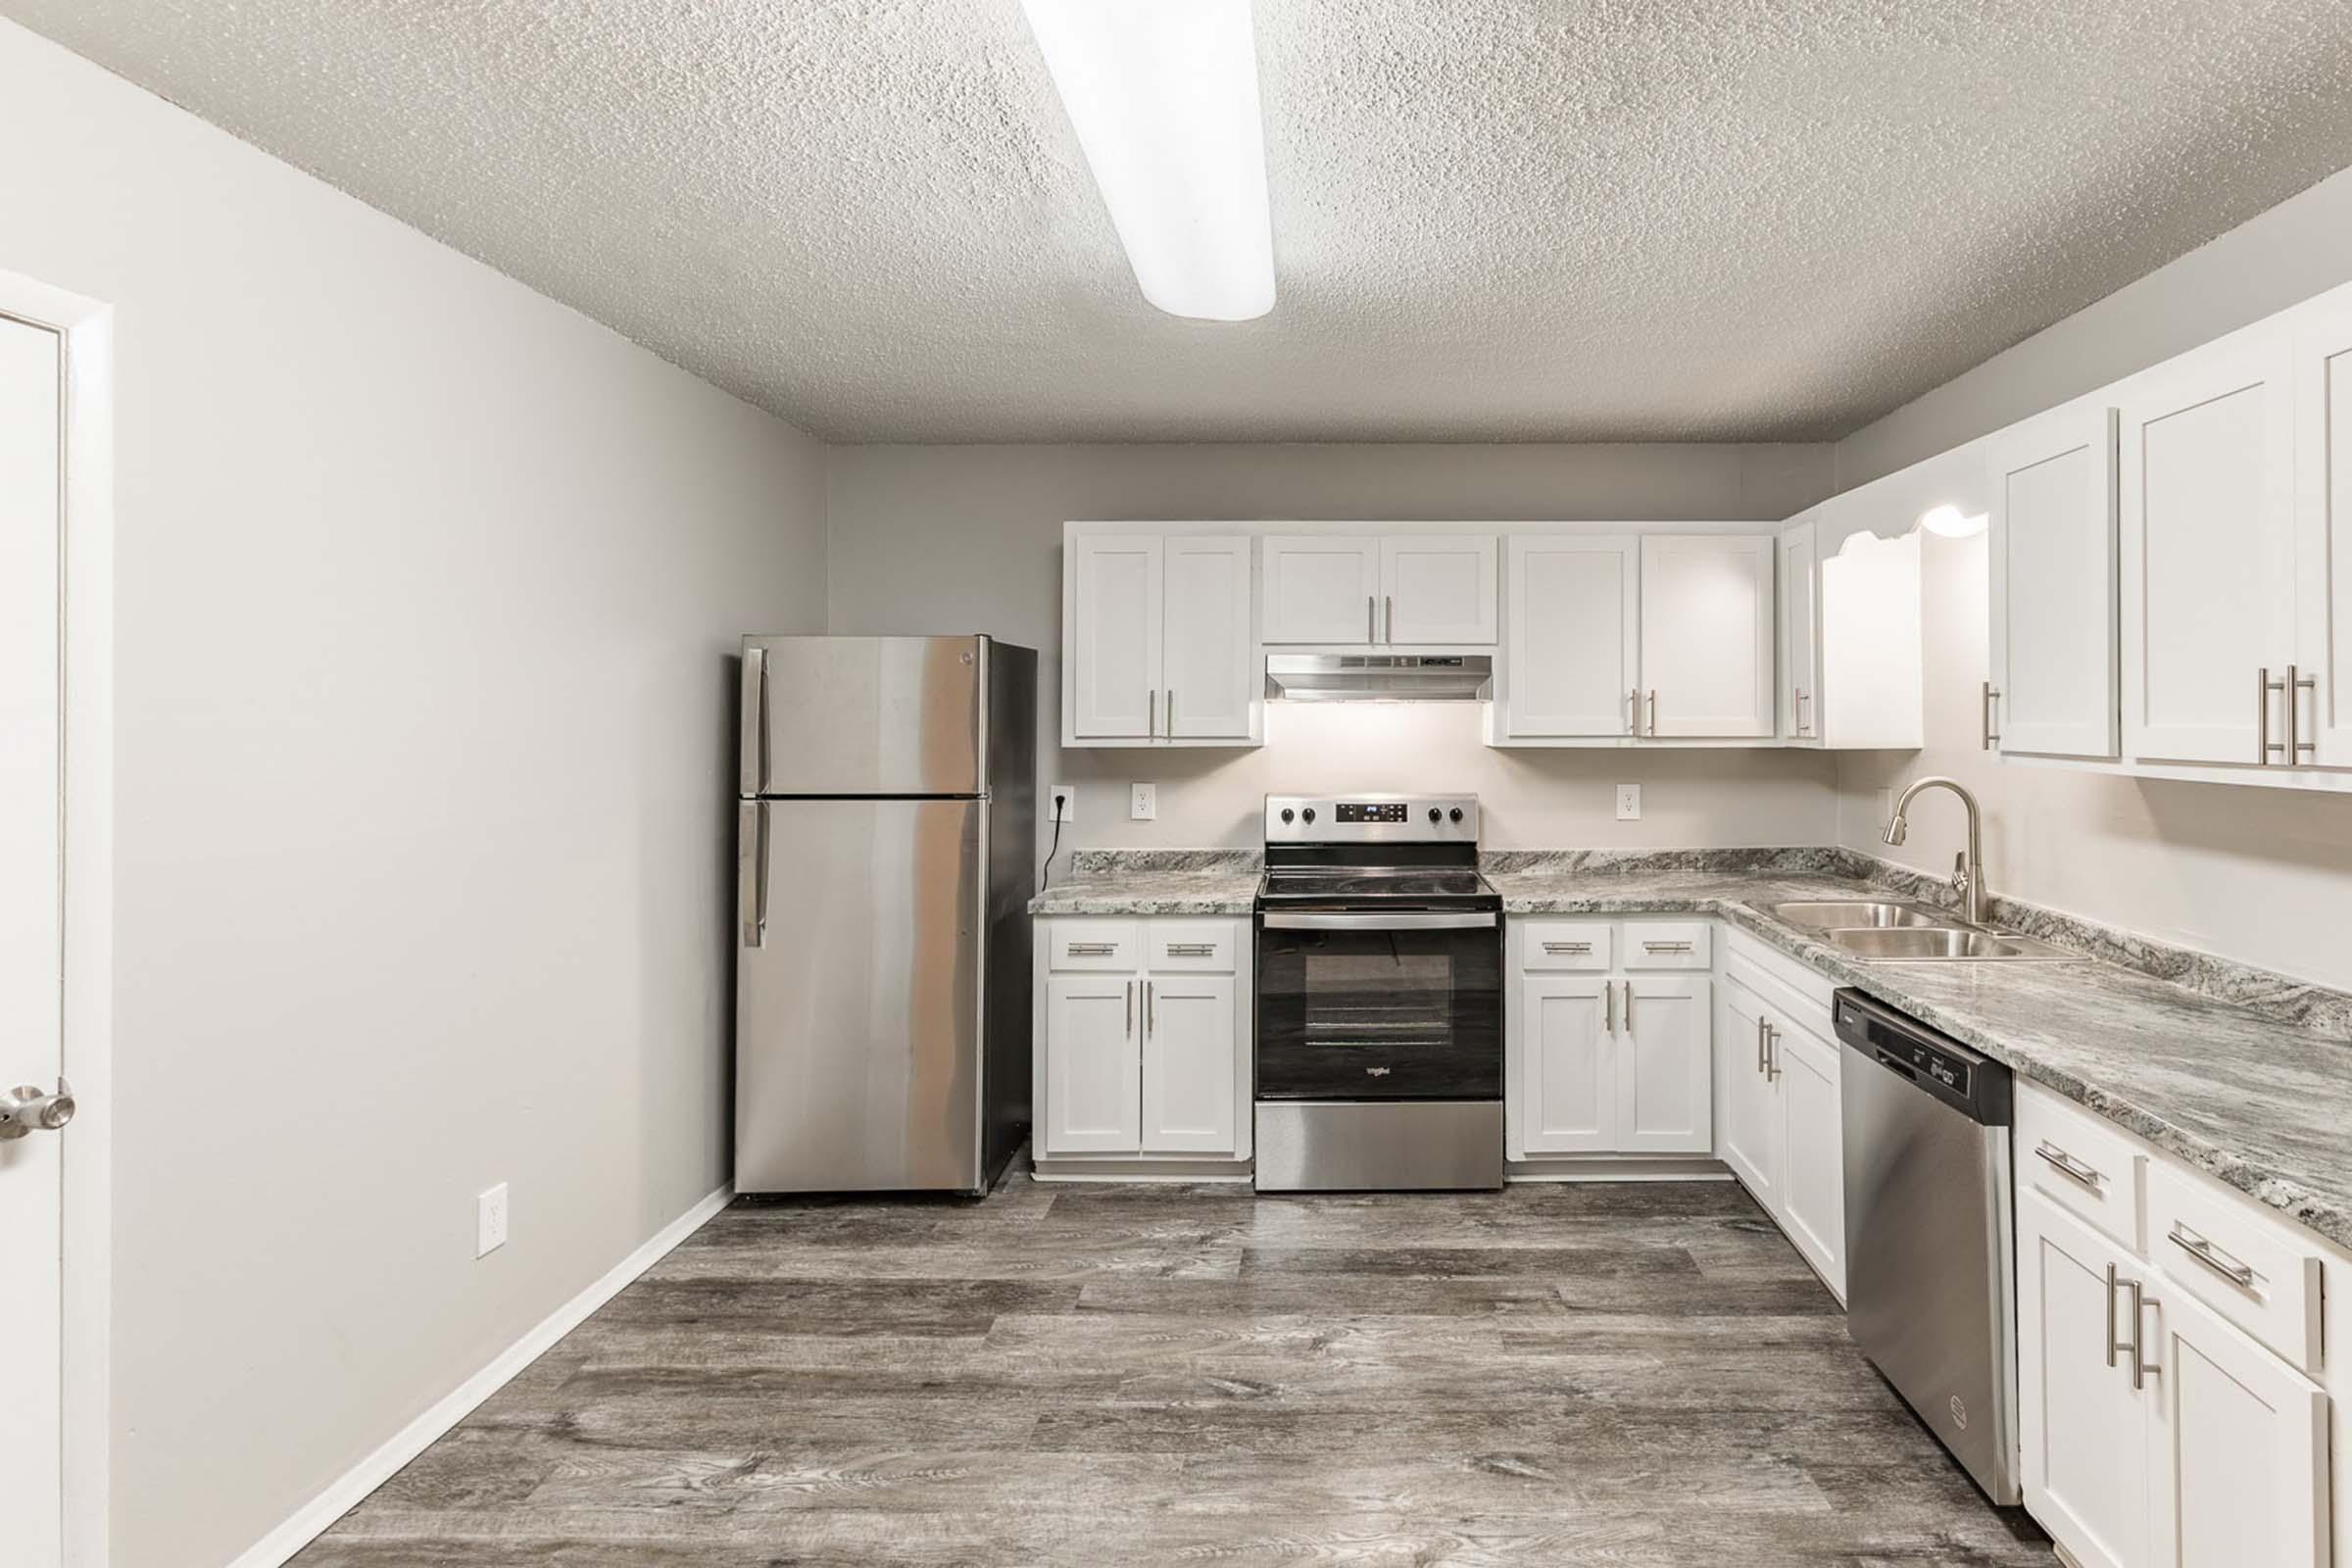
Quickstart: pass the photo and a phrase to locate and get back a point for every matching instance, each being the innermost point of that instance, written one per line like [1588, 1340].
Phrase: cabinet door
[1568, 1088]
[1437, 589]
[2083, 1427]
[1094, 1062]
[1321, 589]
[1665, 1065]
[1800, 636]
[1114, 636]
[1706, 634]
[2323, 370]
[2208, 553]
[1571, 663]
[2237, 1448]
[1750, 1137]
[1189, 1064]
[2053, 584]
[1804, 1072]
[1206, 681]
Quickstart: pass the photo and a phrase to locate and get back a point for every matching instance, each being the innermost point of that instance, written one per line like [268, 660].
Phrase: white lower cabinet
[2156, 1431]
[1782, 1129]
[1612, 1051]
[1665, 1065]
[1567, 1096]
[1142, 1041]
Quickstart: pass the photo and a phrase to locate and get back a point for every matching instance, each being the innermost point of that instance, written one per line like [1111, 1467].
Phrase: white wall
[427, 589]
[2257, 874]
[970, 538]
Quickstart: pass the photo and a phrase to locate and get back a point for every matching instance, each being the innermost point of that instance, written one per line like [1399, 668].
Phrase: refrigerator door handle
[752, 770]
[755, 920]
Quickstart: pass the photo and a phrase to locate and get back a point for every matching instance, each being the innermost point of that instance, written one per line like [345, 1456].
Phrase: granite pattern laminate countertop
[2260, 1102]
[1154, 882]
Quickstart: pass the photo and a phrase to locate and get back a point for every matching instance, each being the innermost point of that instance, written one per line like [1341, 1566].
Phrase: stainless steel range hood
[1380, 677]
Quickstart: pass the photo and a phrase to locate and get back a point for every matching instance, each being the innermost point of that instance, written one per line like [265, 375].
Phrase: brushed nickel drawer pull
[1091, 950]
[1666, 947]
[2212, 1256]
[1567, 947]
[2067, 1164]
[1191, 949]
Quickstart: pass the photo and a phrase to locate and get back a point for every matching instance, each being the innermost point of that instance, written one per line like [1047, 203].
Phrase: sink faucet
[1968, 867]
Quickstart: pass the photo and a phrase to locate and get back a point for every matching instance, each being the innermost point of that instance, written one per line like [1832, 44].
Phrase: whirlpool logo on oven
[1379, 1072]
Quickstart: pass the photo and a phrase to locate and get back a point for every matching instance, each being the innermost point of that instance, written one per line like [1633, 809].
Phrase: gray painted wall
[970, 538]
[429, 590]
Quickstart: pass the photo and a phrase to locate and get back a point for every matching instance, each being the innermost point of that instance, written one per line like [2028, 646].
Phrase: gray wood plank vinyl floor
[1634, 1375]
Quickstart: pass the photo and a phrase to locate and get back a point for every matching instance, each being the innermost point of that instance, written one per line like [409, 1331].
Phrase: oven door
[1402, 1006]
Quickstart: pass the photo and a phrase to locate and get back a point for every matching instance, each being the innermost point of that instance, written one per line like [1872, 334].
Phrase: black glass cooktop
[1375, 884]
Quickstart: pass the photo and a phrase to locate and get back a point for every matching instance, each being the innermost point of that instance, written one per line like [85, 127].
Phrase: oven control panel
[1371, 819]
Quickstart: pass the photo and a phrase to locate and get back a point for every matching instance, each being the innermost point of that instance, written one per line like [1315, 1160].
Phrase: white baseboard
[307, 1523]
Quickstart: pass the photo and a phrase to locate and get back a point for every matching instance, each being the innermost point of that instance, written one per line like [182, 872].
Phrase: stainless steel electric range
[1379, 996]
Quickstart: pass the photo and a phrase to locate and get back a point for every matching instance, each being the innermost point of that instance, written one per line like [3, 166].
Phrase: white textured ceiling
[1493, 219]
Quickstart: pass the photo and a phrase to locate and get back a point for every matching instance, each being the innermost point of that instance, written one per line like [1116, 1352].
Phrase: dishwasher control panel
[1960, 1077]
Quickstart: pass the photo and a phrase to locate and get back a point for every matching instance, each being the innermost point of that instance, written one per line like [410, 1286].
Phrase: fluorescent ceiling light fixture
[1952, 523]
[1163, 96]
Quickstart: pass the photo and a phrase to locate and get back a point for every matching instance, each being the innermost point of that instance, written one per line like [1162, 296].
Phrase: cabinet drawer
[1564, 944]
[2078, 1162]
[1095, 945]
[1203, 947]
[1668, 945]
[2249, 1270]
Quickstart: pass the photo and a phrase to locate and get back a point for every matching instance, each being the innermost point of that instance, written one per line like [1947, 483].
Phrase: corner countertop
[1154, 882]
[2255, 1100]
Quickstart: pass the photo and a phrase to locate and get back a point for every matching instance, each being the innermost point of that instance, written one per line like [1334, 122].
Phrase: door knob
[24, 1109]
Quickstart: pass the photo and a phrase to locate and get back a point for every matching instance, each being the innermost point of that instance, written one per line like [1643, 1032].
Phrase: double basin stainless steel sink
[1886, 931]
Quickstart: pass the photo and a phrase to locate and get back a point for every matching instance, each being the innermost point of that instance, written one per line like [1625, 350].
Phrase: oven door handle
[1401, 921]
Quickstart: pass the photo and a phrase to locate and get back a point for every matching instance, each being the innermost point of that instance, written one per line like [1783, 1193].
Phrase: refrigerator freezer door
[858, 1013]
[862, 715]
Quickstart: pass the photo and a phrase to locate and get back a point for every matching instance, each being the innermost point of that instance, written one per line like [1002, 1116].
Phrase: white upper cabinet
[1437, 589]
[2323, 376]
[1707, 634]
[1800, 635]
[1575, 635]
[1114, 636]
[1156, 645]
[1208, 685]
[2052, 588]
[2208, 536]
[1322, 588]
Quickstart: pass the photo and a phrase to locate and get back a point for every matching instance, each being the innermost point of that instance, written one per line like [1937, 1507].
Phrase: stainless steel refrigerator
[886, 851]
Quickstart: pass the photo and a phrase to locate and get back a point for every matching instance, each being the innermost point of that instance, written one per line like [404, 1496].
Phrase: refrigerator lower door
[857, 989]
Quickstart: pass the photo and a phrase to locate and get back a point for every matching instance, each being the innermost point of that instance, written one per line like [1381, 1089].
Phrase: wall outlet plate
[490, 1221]
[1629, 803]
[1143, 802]
[1061, 803]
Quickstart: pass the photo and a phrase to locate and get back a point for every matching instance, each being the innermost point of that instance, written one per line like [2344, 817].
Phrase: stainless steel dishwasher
[1929, 1278]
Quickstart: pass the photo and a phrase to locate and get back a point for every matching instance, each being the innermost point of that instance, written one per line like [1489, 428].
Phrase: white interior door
[2324, 508]
[2208, 552]
[1665, 1065]
[2081, 1423]
[1321, 588]
[1570, 668]
[1568, 1081]
[2054, 639]
[1189, 1064]
[2237, 1448]
[1800, 635]
[32, 884]
[1205, 668]
[1707, 634]
[1115, 636]
[1437, 589]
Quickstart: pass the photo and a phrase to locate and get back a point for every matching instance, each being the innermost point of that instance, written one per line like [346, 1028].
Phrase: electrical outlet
[1629, 803]
[490, 1221]
[1061, 803]
[1143, 802]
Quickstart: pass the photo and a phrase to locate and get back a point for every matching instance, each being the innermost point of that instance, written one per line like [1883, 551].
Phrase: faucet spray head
[1897, 831]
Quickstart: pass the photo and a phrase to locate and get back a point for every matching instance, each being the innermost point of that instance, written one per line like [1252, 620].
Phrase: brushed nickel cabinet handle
[1760, 1027]
[1772, 1052]
[1633, 707]
[2212, 1256]
[2113, 1345]
[2141, 1367]
[1992, 736]
[1191, 949]
[1127, 990]
[2067, 1164]
[1654, 712]
[1665, 947]
[1567, 947]
[1171, 726]
[2296, 683]
[1608, 1007]
[1091, 950]
[1150, 1010]
[2262, 687]
[1371, 618]
[1390, 622]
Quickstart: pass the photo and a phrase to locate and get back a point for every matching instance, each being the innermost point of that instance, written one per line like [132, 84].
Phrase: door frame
[86, 329]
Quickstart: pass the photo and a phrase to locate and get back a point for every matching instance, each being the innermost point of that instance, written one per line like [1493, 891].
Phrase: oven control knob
[1288, 813]
[1308, 813]
[1434, 813]
[1455, 814]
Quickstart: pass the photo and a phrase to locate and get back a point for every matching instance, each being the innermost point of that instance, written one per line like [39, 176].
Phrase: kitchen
[772, 820]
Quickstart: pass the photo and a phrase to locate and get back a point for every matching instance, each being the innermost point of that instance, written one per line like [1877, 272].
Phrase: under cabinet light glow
[1952, 522]
[1163, 96]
